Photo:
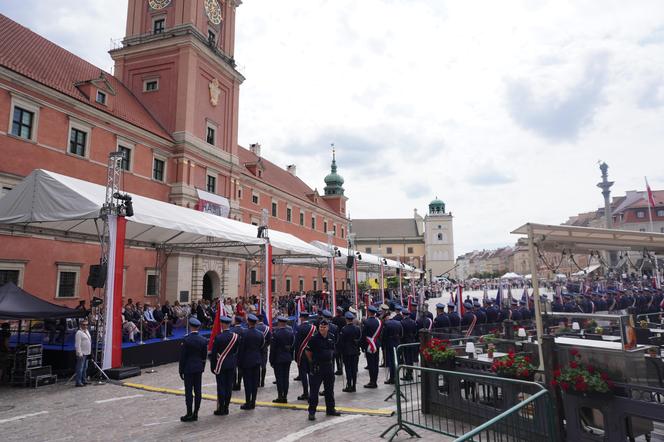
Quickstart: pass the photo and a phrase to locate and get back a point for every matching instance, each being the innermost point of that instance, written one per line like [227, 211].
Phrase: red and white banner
[651, 197]
[114, 276]
[382, 276]
[332, 286]
[268, 283]
[357, 304]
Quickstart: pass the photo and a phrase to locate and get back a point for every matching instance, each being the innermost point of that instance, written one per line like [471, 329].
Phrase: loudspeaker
[324, 280]
[398, 271]
[349, 262]
[97, 276]
[347, 280]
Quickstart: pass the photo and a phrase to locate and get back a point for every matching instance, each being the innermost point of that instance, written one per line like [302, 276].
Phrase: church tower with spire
[439, 240]
[334, 190]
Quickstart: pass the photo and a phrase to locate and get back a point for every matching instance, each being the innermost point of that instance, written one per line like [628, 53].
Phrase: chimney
[291, 169]
[415, 213]
[255, 149]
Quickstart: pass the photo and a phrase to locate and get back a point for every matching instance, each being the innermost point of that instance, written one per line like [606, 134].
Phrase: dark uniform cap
[194, 322]
[225, 319]
[304, 314]
[282, 319]
[238, 318]
[373, 309]
[349, 315]
[468, 304]
[440, 305]
[340, 309]
[252, 317]
[327, 313]
[324, 322]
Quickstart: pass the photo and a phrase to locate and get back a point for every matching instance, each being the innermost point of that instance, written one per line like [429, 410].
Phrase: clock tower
[177, 59]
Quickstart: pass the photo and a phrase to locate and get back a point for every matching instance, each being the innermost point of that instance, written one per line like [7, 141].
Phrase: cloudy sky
[501, 109]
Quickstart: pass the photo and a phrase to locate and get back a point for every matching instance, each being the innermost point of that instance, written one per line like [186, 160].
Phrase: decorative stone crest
[215, 90]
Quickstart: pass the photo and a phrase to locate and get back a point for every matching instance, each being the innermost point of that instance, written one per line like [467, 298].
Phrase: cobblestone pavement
[120, 413]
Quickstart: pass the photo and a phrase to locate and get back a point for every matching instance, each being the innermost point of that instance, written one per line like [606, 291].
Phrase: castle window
[126, 157]
[410, 250]
[301, 218]
[289, 214]
[211, 184]
[389, 250]
[158, 169]
[274, 209]
[77, 142]
[22, 123]
[440, 237]
[101, 97]
[151, 85]
[158, 26]
[640, 214]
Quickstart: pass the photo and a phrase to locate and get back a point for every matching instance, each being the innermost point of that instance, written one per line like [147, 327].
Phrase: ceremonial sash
[371, 340]
[472, 325]
[430, 326]
[225, 353]
[265, 332]
[303, 345]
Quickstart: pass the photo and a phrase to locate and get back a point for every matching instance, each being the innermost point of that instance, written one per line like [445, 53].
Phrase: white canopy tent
[49, 203]
[511, 275]
[367, 258]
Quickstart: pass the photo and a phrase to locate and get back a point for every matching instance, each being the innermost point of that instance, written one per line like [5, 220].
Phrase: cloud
[489, 175]
[653, 38]
[652, 96]
[417, 190]
[559, 117]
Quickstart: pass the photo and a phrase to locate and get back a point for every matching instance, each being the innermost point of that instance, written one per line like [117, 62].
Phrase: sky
[500, 109]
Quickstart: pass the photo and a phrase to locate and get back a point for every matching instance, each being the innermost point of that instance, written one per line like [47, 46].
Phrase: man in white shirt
[83, 346]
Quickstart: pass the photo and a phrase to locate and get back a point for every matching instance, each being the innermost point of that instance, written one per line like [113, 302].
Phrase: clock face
[159, 4]
[213, 11]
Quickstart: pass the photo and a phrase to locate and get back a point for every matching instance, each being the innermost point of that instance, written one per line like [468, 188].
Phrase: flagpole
[651, 201]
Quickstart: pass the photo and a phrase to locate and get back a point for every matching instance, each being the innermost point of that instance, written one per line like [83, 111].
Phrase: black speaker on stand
[97, 276]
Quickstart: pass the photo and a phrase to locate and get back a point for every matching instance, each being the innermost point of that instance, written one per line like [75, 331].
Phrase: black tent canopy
[16, 303]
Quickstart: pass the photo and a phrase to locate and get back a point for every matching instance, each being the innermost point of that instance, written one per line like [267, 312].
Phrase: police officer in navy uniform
[348, 346]
[392, 335]
[302, 336]
[524, 310]
[193, 353]
[441, 320]
[370, 342]
[239, 330]
[250, 361]
[223, 362]
[492, 312]
[409, 337]
[516, 313]
[340, 322]
[469, 316]
[455, 319]
[281, 356]
[267, 337]
[320, 354]
[334, 333]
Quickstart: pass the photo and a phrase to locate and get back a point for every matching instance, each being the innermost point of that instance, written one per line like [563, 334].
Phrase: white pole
[652, 229]
[535, 281]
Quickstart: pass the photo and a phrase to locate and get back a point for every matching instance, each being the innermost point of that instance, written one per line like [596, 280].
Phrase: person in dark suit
[340, 323]
[223, 361]
[302, 336]
[193, 353]
[371, 330]
[320, 354]
[267, 339]
[455, 319]
[237, 328]
[250, 361]
[409, 337]
[392, 334]
[281, 356]
[348, 346]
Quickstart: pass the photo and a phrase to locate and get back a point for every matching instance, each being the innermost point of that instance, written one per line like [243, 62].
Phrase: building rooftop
[31, 55]
[385, 228]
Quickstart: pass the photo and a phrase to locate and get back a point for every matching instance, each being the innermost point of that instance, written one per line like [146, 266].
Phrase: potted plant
[582, 379]
[490, 348]
[439, 354]
[515, 367]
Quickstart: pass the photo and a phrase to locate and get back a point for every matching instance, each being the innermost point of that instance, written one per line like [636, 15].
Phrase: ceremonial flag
[216, 327]
[499, 296]
[651, 197]
[485, 294]
[265, 321]
[459, 301]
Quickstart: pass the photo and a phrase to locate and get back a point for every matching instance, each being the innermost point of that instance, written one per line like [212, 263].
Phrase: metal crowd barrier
[470, 406]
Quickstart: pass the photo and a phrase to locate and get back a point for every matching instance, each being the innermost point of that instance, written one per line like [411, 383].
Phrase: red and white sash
[430, 326]
[371, 340]
[225, 353]
[304, 344]
[472, 325]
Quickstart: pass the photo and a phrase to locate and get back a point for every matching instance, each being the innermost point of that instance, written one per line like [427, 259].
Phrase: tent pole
[18, 341]
[535, 281]
[30, 331]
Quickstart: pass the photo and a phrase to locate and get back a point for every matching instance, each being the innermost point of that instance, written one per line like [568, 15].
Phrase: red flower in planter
[581, 377]
[564, 386]
[556, 372]
[573, 364]
[574, 352]
[590, 368]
